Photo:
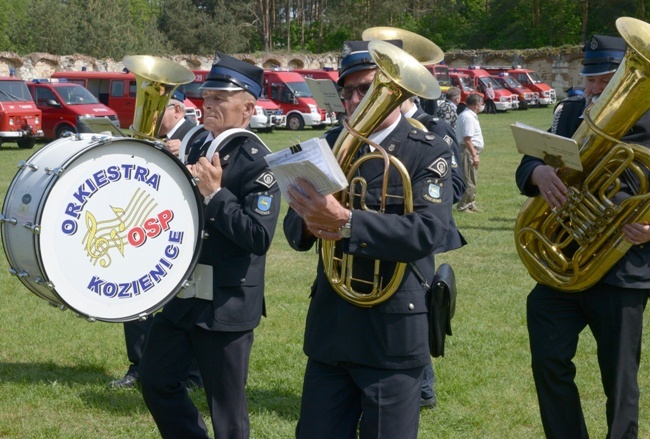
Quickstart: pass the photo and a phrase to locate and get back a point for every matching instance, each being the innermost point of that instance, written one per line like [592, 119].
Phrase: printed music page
[551, 148]
[311, 160]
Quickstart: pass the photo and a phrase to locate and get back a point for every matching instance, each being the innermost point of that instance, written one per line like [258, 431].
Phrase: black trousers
[135, 336]
[223, 359]
[381, 403]
[555, 320]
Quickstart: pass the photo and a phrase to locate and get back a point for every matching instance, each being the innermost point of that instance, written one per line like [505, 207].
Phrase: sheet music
[311, 160]
[537, 143]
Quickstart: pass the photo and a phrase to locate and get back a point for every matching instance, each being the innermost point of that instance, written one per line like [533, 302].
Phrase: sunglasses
[362, 89]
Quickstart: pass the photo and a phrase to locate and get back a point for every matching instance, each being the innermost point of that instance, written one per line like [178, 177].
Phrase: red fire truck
[503, 99]
[526, 97]
[465, 83]
[117, 90]
[64, 105]
[289, 91]
[20, 120]
[531, 80]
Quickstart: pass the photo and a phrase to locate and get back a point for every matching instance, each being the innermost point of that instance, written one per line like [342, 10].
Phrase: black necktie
[197, 152]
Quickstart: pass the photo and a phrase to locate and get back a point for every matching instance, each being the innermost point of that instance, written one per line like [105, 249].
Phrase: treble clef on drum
[102, 236]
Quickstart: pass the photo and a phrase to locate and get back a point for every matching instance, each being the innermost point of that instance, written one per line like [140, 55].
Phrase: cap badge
[594, 44]
[346, 50]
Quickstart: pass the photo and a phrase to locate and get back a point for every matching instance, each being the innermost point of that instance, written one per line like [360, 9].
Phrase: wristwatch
[346, 229]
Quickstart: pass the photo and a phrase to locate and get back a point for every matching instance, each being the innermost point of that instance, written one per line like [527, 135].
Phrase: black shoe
[428, 403]
[123, 383]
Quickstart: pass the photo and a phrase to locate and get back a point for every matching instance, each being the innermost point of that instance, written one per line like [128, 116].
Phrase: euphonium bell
[571, 248]
[156, 80]
[399, 76]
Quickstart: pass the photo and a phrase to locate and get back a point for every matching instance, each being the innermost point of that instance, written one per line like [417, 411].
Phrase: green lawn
[54, 367]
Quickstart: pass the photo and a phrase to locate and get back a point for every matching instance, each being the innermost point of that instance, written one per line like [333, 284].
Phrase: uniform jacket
[633, 269]
[240, 222]
[443, 130]
[391, 335]
[182, 130]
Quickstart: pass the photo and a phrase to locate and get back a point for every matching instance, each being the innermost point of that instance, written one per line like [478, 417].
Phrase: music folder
[325, 94]
[556, 151]
[311, 160]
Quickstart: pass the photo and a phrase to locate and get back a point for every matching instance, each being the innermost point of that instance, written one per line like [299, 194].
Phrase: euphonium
[156, 80]
[399, 76]
[571, 248]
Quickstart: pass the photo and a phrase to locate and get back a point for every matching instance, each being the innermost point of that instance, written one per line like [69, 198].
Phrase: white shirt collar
[379, 136]
[171, 132]
[411, 112]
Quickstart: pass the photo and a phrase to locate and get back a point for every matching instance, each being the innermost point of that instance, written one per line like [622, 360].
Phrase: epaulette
[421, 136]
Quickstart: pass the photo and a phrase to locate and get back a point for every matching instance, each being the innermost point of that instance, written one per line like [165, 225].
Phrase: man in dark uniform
[612, 308]
[214, 321]
[365, 364]
[173, 128]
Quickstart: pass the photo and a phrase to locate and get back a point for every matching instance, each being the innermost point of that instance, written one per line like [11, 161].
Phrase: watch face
[345, 232]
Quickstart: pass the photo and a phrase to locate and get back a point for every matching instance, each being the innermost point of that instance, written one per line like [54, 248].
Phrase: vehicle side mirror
[52, 103]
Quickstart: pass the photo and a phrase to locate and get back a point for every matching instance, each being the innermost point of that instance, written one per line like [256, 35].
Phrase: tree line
[115, 28]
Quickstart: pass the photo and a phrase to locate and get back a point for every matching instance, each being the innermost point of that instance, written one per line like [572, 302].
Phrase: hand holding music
[551, 188]
[323, 215]
[209, 174]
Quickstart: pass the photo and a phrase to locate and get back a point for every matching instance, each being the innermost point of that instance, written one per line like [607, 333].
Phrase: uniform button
[411, 306]
[429, 137]
[242, 280]
[211, 219]
[363, 245]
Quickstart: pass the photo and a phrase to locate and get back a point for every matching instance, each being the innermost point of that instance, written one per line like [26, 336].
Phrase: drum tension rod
[21, 274]
[23, 164]
[4, 219]
[55, 171]
[35, 228]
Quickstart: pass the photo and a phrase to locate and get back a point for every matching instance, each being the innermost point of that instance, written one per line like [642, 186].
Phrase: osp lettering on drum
[100, 179]
[106, 288]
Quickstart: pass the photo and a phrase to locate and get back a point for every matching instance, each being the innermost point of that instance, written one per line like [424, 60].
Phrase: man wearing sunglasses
[365, 364]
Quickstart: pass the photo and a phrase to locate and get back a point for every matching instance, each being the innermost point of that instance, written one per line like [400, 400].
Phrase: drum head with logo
[119, 230]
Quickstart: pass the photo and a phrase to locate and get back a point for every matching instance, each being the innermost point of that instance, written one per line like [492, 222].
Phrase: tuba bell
[571, 248]
[399, 76]
[156, 80]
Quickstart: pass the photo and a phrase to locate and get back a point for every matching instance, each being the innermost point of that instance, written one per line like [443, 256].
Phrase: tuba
[156, 80]
[572, 247]
[399, 76]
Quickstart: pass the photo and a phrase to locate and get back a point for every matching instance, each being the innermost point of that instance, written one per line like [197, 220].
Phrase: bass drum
[108, 227]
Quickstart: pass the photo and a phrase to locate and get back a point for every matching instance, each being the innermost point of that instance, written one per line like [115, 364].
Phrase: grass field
[54, 367]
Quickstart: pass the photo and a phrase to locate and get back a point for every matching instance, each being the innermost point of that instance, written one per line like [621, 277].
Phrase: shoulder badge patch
[262, 204]
[448, 140]
[266, 179]
[432, 190]
[439, 167]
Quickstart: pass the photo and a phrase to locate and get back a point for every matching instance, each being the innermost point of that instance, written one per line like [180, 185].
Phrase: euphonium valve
[571, 248]
[156, 80]
[399, 76]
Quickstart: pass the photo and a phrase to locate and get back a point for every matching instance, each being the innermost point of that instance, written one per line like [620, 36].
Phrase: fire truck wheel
[62, 129]
[295, 122]
[26, 142]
